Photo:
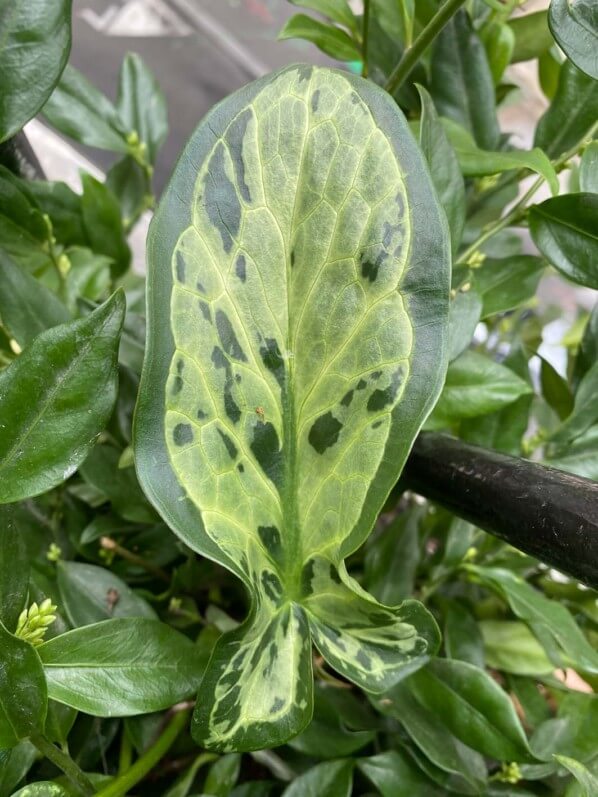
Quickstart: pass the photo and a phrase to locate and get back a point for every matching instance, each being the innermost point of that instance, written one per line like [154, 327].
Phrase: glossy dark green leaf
[588, 169]
[331, 40]
[330, 779]
[27, 307]
[103, 224]
[69, 375]
[585, 410]
[395, 775]
[575, 27]
[476, 385]
[15, 764]
[565, 230]
[551, 622]
[507, 283]
[499, 41]
[587, 353]
[473, 707]
[14, 568]
[549, 70]
[23, 696]
[130, 184]
[464, 315]
[532, 36]
[124, 493]
[24, 234]
[141, 105]
[34, 48]
[465, 767]
[392, 558]
[59, 722]
[579, 456]
[91, 594]
[444, 167]
[120, 667]
[222, 775]
[77, 109]
[336, 10]
[571, 732]
[587, 781]
[63, 207]
[511, 647]
[555, 389]
[571, 115]
[222, 367]
[462, 637]
[87, 278]
[462, 84]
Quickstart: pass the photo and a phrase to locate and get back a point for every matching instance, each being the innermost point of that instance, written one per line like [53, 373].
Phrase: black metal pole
[545, 512]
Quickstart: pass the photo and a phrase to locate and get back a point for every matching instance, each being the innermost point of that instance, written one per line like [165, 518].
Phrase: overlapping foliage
[112, 627]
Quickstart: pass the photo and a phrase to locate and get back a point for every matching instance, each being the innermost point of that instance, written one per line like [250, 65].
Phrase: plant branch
[365, 37]
[64, 762]
[108, 544]
[121, 785]
[412, 54]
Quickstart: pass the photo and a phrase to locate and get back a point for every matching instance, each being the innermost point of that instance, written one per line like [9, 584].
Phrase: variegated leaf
[297, 312]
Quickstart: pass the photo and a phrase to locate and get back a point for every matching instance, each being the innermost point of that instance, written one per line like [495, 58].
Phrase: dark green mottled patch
[277, 705]
[228, 443]
[238, 378]
[324, 432]
[333, 636]
[361, 385]
[202, 415]
[292, 258]
[376, 424]
[382, 398]
[363, 659]
[315, 100]
[266, 449]
[241, 467]
[205, 310]
[272, 359]
[227, 336]
[270, 537]
[271, 585]
[371, 265]
[182, 434]
[200, 286]
[177, 385]
[180, 267]
[347, 398]
[334, 574]
[307, 576]
[376, 375]
[220, 199]
[231, 408]
[234, 138]
[304, 72]
[241, 268]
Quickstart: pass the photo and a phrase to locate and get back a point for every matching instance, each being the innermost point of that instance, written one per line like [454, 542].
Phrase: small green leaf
[587, 353]
[91, 594]
[511, 647]
[565, 230]
[585, 410]
[14, 568]
[331, 40]
[330, 779]
[130, 184]
[394, 775]
[555, 389]
[43, 788]
[532, 36]
[34, 48]
[392, 558]
[27, 307]
[507, 283]
[499, 41]
[462, 637]
[462, 84]
[465, 767]
[575, 27]
[23, 697]
[87, 278]
[587, 781]
[14, 765]
[103, 224]
[79, 110]
[476, 385]
[473, 707]
[141, 106]
[69, 375]
[550, 621]
[269, 433]
[588, 169]
[336, 10]
[222, 775]
[579, 456]
[571, 115]
[479, 163]
[120, 667]
[444, 167]
[464, 315]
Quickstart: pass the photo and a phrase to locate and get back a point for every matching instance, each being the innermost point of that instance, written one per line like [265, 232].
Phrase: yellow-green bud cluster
[34, 621]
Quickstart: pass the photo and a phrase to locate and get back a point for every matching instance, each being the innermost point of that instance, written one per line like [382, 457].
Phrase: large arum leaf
[297, 311]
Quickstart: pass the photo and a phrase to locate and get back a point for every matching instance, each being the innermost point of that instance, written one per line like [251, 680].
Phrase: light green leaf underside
[292, 346]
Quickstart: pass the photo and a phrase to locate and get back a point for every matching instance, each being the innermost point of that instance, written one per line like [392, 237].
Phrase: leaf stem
[108, 544]
[365, 37]
[121, 785]
[421, 43]
[64, 762]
